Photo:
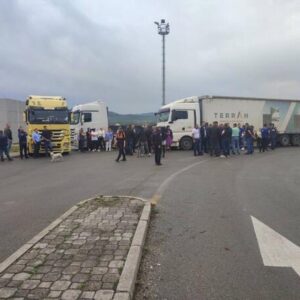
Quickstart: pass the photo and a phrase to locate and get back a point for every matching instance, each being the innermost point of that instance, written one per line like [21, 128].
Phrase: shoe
[159, 164]
[98, 150]
[124, 159]
[117, 160]
[222, 156]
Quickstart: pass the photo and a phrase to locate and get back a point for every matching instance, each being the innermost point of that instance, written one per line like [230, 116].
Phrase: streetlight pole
[163, 30]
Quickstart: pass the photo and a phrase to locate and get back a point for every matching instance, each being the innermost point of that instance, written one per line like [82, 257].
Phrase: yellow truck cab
[52, 112]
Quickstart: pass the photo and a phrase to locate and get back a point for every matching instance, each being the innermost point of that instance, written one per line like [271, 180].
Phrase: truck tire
[186, 143]
[296, 139]
[284, 140]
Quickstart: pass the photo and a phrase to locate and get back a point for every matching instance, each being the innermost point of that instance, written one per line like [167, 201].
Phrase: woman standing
[108, 139]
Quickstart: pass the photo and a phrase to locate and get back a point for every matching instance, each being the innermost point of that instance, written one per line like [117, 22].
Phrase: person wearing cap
[36, 138]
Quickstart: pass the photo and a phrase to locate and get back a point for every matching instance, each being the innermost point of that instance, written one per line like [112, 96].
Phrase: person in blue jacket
[265, 137]
[273, 136]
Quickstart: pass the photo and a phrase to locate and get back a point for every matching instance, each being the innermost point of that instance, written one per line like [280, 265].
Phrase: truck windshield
[48, 116]
[75, 117]
[163, 115]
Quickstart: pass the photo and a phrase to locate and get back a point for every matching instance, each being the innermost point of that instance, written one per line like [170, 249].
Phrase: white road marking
[275, 249]
[157, 195]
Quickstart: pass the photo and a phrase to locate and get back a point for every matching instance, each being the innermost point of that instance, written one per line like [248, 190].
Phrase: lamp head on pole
[163, 27]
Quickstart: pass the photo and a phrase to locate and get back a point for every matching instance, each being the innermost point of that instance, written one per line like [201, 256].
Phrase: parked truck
[52, 112]
[91, 115]
[182, 115]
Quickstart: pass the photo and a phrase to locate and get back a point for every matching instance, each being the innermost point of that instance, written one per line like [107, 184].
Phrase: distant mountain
[136, 119]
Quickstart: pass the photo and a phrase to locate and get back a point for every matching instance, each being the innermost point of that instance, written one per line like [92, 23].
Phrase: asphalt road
[201, 243]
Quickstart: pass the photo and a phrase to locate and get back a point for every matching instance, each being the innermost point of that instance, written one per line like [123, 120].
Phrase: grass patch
[107, 202]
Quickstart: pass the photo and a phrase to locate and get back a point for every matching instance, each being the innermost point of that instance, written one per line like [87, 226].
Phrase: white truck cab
[91, 115]
[181, 116]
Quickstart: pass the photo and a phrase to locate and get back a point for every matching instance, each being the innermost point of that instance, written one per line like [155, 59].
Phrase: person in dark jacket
[3, 146]
[149, 133]
[120, 136]
[157, 145]
[130, 136]
[22, 142]
[214, 135]
[8, 134]
[249, 135]
[164, 140]
[226, 140]
[204, 137]
[46, 138]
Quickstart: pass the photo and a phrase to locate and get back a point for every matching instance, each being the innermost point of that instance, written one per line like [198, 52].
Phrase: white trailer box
[91, 115]
[183, 114]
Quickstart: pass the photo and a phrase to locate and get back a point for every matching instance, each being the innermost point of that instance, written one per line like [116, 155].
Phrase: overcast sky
[89, 50]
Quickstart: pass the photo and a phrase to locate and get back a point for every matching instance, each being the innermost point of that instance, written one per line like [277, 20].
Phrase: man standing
[235, 139]
[204, 137]
[36, 138]
[120, 143]
[214, 139]
[129, 140]
[157, 144]
[23, 143]
[8, 134]
[46, 137]
[273, 136]
[3, 146]
[265, 137]
[196, 140]
[249, 134]
[226, 134]
[101, 137]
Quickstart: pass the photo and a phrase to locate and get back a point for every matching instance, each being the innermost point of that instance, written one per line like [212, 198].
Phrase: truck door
[183, 121]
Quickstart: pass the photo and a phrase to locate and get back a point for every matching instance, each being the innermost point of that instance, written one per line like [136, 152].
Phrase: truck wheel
[296, 139]
[186, 143]
[284, 140]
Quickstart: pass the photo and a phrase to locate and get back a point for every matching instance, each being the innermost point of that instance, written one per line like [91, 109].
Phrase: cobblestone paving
[82, 258]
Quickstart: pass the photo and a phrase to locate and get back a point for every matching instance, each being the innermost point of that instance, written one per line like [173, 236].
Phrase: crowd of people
[222, 140]
[215, 139]
[141, 140]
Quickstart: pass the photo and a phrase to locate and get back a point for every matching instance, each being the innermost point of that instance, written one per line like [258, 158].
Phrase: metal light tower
[163, 30]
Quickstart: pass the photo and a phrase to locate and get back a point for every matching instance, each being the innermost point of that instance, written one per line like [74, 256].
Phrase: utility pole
[163, 30]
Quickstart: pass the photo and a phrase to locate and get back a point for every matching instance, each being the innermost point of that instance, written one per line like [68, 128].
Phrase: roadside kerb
[126, 285]
[17, 254]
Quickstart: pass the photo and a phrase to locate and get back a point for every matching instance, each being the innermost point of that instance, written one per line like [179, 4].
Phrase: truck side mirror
[82, 119]
[24, 117]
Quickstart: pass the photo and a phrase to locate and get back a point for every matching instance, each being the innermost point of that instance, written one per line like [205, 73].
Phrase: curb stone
[126, 285]
[127, 280]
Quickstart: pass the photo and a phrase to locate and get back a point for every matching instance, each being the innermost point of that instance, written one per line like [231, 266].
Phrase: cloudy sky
[89, 50]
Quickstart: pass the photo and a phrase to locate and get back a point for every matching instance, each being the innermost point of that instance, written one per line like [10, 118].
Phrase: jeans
[47, 146]
[273, 142]
[197, 148]
[23, 150]
[108, 145]
[9, 146]
[249, 142]
[235, 144]
[226, 147]
[4, 150]
[130, 146]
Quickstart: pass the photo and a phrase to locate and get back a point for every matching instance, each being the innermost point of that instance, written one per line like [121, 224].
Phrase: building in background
[11, 112]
